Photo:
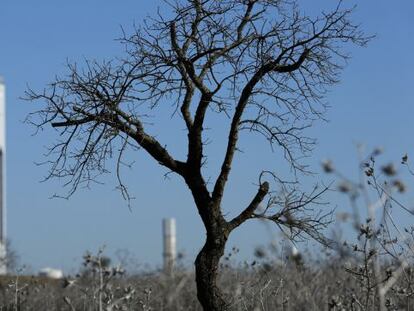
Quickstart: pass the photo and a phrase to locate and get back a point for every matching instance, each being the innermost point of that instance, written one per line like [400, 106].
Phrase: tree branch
[249, 211]
[147, 142]
[234, 128]
[72, 122]
[189, 67]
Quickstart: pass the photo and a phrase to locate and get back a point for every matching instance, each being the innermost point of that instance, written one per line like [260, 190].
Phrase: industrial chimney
[3, 269]
[170, 252]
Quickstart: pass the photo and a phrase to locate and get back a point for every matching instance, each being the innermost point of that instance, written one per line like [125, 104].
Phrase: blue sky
[373, 104]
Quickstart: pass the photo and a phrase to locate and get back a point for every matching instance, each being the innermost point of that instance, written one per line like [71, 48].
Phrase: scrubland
[269, 282]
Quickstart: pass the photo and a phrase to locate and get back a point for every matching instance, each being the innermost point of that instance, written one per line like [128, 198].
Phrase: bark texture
[207, 264]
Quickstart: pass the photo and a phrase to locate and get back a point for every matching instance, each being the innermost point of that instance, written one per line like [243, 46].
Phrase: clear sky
[374, 104]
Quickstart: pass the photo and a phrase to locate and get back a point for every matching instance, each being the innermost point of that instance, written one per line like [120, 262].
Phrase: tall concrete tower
[3, 269]
[170, 252]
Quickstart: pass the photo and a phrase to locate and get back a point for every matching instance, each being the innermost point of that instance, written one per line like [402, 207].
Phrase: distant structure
[3, 266]
[169, 238]
[51, 273]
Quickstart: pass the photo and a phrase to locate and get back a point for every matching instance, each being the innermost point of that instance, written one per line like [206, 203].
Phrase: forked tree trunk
[207, 264]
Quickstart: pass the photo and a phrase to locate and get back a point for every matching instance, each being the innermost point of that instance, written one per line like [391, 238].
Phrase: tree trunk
[207, 264]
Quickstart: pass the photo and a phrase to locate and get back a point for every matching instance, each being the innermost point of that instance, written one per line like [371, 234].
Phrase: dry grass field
[266, 283]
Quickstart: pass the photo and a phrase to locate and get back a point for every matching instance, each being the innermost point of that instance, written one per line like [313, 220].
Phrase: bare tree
[263, 63]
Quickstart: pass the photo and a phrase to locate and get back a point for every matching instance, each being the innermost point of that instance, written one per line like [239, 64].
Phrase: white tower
[3, 269]
[170, 252]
